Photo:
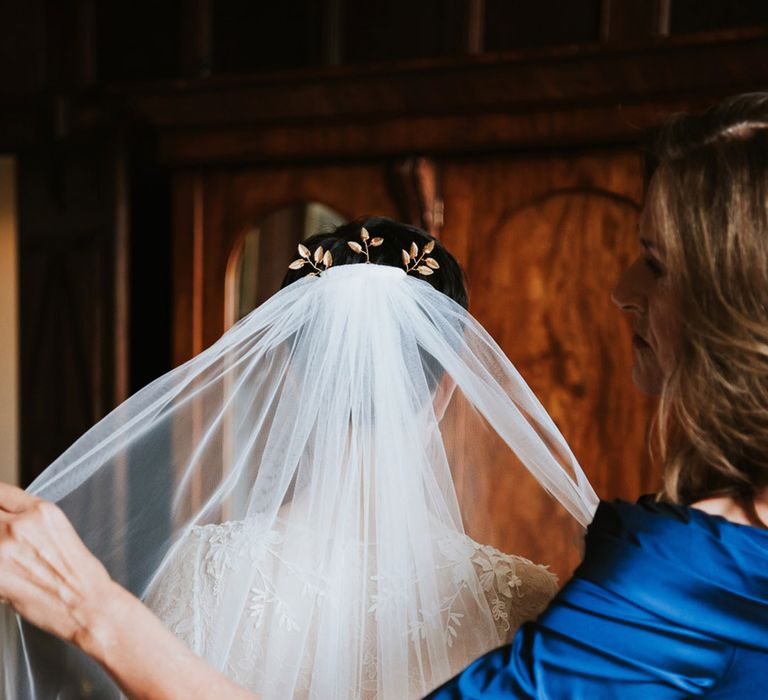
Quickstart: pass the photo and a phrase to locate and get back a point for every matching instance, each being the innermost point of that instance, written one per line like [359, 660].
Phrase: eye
[654, 266]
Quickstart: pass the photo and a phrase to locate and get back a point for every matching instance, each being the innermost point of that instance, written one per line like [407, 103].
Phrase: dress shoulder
[517, 589]
[187, 589]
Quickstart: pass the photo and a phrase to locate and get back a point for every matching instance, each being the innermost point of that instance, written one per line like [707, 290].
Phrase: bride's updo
[448, 279]
[710, 173]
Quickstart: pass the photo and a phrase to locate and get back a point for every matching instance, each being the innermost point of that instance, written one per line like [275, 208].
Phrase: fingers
[14, 500]
[37, 604]
[42, 533]
[37, 577]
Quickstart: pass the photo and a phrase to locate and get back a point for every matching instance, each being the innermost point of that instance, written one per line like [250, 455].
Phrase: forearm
[146, 660]
[50, 578]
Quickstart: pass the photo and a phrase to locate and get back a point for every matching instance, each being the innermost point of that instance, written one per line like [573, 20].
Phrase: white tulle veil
[321, 417]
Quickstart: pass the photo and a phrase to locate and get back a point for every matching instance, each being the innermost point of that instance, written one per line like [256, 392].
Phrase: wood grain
[574, 95]
[233, 202]
[544, 240]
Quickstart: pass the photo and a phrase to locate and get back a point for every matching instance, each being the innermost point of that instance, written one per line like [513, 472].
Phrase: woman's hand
[46, 573]
[50, 578]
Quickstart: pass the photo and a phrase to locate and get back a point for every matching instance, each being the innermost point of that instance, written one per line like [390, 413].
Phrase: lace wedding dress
[285, 500]
[190, 593]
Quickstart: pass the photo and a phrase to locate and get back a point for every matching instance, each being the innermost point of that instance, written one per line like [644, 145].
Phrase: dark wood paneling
[378, 31]
[627, 20]
[151, 272]
[564, 128]
[523, 81]
[543, 241]
[516, 24]
[567, 97]
[73, 297]
[22, 48]
[249, 36]
[716, 15]
[415, 187]
[140, 40]
[215, 209]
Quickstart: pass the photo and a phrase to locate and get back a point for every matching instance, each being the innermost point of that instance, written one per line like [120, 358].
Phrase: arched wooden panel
[214, 210]
[543, 241]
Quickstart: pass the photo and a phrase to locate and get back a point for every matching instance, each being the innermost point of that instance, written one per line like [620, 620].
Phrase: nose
[628, 293]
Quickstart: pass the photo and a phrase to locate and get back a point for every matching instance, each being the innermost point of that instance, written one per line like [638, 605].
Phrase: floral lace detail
[517, 589]
[473, 583]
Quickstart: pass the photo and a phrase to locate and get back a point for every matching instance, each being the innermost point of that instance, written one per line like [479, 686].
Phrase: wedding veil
[316, 426]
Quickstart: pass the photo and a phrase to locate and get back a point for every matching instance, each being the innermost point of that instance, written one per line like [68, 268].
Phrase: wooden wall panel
[214, 211]
[73, 296]
[543, 240]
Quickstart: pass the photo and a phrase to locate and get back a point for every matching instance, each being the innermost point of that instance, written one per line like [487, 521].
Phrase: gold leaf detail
[355, 246]
[429, 247]
[319, 253]
[406, 257]
[364, 235]
[303, 251]
[297, 264]
[424, 270]
[414, 250]
[327, 258]
[432, 263]
[376, 242]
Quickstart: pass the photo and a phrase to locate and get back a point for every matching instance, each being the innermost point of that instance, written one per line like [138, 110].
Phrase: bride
[284, 501]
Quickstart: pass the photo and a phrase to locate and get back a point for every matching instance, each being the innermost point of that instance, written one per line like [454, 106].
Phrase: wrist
[100, 619]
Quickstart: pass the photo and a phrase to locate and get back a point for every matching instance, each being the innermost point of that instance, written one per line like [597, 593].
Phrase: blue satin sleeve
[575, 652]
[669, 602]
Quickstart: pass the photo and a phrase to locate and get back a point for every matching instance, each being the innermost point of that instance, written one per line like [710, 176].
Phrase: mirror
[266, 251]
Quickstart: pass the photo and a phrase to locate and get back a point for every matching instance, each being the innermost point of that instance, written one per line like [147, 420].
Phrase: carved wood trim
[475, 26]
[415, 185]
[602, 71]
[121, 263]
[598, 94]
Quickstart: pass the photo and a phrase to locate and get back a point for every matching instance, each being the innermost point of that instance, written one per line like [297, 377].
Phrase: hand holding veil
[307, 442]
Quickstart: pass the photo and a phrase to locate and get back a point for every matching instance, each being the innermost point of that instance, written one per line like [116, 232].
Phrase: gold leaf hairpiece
[319, 257]
[417, 262]
[413, 259]
[365, 237]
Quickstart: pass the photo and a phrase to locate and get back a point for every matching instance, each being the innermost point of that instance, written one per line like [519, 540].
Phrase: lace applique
[262, 598]
[517, 589]
[193, 585]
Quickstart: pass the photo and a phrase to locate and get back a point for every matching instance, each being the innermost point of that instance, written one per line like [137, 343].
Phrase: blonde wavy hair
[711, 212]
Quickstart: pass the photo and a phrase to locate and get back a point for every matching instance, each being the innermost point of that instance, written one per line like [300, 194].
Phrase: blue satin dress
[669, 602]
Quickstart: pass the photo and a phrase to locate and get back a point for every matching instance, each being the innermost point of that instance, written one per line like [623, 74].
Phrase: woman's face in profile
[644, 291]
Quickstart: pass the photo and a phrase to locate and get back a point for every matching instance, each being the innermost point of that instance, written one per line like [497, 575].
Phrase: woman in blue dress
[671, 599]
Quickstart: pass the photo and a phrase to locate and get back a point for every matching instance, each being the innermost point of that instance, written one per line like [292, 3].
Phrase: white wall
[9, 325]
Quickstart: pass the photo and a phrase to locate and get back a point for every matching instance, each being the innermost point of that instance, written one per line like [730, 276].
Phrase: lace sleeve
[174, 595]
[517, 590]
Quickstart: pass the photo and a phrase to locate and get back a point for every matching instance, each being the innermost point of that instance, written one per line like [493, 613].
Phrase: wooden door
[543, 240]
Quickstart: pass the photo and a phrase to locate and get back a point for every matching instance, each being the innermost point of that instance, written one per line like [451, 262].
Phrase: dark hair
[448, 279]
